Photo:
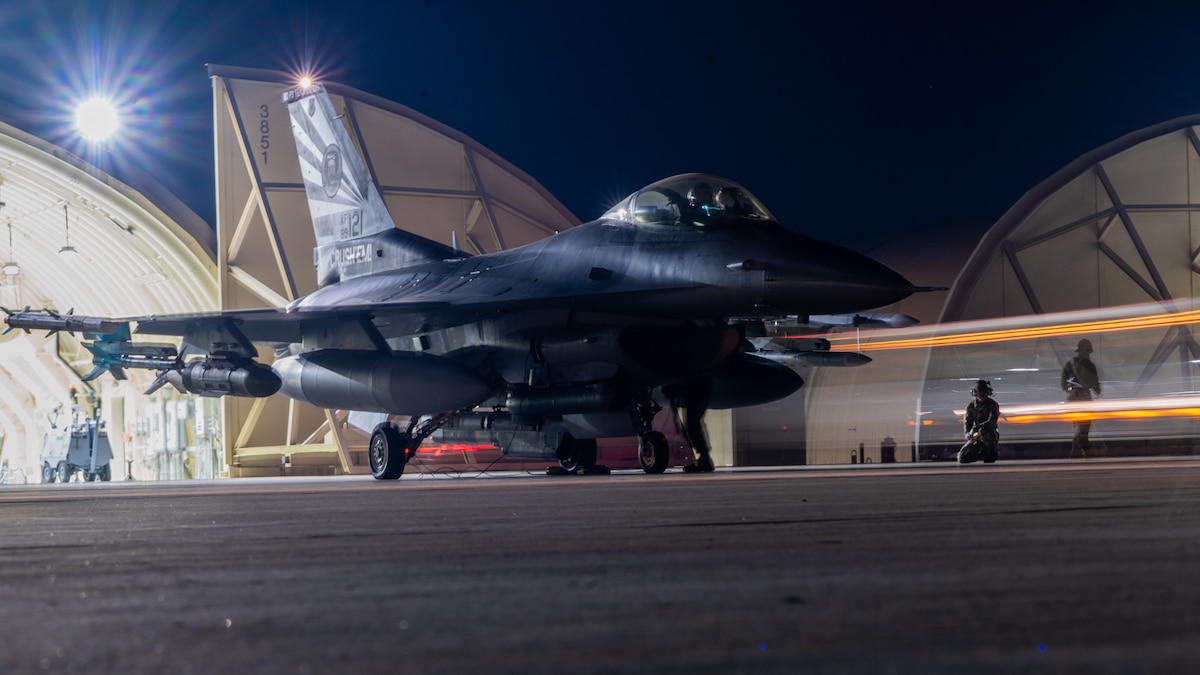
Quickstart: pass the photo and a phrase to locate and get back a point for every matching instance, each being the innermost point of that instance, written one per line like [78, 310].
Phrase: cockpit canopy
[693, 199]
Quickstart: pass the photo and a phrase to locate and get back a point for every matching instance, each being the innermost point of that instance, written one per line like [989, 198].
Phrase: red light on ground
[437, 450]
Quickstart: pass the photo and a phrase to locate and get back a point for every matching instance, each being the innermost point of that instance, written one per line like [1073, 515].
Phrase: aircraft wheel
[64, 473]
[386, 453]
[575, 453]
[653, 452]
[47, 473]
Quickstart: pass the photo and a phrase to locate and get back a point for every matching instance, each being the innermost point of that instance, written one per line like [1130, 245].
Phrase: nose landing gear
[654, 453]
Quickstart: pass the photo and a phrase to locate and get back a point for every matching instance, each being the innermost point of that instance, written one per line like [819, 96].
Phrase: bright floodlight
[96, 119]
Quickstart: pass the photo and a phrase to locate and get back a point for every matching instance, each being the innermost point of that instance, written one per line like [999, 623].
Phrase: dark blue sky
[854, 122]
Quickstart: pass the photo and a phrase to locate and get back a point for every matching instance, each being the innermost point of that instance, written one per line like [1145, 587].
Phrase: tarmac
[1085, 566]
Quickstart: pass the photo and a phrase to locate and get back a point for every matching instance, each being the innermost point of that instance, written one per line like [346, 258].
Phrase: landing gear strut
[576, 455]
[390, 449]
[654, 454]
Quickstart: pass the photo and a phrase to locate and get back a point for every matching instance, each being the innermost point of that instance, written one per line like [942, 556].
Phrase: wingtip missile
[9, 328]
[52, 322]
[863, 320]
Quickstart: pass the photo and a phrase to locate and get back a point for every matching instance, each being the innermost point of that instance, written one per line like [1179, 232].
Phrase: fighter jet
[582, 335]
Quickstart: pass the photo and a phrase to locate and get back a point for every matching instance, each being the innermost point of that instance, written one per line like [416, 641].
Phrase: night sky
[854, 122]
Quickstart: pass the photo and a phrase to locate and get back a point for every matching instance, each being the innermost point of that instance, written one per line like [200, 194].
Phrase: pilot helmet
[729, 198]
[983, 387]
[700, 194]
[1084, 346]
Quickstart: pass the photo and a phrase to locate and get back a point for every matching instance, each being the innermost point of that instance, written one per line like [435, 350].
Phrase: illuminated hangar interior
[1106, 250]
[76, 238]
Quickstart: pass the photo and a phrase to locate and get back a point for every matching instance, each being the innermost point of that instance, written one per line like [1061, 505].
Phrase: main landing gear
[387, 452]
[390, 449]
[577, 455]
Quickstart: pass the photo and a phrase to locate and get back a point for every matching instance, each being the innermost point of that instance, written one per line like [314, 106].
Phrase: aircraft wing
[231, 335]
[280, 327]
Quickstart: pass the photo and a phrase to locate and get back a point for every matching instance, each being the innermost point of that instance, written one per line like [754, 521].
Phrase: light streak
[1115, 409]
[1106, 415]
[1108, 320]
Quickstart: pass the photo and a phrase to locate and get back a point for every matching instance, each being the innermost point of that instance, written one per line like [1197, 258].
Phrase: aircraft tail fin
[355, 233]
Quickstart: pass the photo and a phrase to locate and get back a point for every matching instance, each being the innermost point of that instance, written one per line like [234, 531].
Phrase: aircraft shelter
[76, 237]
[1114, 234]
[1106, 250]
[436, 182]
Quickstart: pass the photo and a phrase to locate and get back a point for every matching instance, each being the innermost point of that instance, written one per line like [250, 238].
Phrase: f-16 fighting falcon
[583, 335]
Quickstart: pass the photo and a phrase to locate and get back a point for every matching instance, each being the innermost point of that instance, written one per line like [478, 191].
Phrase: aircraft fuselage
[650, 272]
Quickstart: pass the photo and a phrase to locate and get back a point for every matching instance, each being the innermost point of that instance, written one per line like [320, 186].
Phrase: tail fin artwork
[354, 231]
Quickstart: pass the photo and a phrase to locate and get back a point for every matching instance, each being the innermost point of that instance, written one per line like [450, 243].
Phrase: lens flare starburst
[97, 119]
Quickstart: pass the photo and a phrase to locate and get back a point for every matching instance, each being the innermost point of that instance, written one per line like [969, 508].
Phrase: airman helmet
[983, 387]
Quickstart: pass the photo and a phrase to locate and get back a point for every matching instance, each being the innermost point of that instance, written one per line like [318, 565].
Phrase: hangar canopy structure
[435, 181]
[1107, 249]
[75, 237]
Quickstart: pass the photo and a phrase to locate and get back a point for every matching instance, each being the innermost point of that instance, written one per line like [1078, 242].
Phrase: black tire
[574, 453]
[64, 472]
[387, 453]
[653, 452]
[105, 473]
[48, 474]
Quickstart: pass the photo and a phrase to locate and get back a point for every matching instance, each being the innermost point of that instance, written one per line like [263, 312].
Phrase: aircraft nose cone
[835, 279]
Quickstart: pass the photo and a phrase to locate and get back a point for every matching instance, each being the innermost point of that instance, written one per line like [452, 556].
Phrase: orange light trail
[1084, 411]
[1111, 415]
[978, 332]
